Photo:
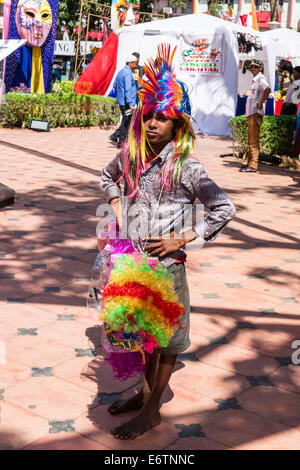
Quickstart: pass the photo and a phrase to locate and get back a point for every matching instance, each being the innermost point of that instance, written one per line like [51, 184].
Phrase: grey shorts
[180, 341]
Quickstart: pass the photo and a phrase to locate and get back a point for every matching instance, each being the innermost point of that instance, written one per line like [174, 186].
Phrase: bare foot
[145, 420]
[133, 403]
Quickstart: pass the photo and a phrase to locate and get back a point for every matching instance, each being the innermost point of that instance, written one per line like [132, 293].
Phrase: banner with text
[203, 55]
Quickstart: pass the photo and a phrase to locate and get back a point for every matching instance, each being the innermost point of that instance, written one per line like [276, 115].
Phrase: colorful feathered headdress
[160, 92]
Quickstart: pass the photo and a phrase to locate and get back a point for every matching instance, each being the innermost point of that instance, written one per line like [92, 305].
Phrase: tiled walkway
[235, 388]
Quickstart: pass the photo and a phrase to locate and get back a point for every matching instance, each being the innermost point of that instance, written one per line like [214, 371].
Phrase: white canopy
[213, 97]
[286, 42]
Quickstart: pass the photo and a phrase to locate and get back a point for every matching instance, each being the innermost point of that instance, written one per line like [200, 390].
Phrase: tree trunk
[274, 10]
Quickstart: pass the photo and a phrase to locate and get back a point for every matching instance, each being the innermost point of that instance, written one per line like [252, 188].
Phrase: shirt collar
[165, 153]
[256, 77]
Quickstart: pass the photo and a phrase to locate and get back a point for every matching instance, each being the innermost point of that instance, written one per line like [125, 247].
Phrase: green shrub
[63, 87]
[60, 109]
[276, 135]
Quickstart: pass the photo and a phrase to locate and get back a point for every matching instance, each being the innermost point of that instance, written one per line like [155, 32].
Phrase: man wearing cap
[125, 89]
[259, 92]
[139, 70]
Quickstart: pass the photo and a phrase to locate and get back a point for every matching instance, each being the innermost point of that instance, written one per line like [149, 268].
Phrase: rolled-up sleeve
[110, 177]
[221, 210]
[263, 84]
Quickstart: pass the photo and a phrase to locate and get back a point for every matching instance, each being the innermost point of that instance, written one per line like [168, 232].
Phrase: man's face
[132, 65]
[124, 13]
[158, 128]
[254, 69]
[34, 21]
[296, 75]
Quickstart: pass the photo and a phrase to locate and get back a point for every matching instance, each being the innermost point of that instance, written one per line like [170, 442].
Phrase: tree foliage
[214, 7]
[68, 14]
[177, 3]
[69, 11]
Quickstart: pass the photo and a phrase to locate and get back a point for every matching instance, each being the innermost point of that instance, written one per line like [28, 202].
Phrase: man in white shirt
[290, 106]
[259, 92]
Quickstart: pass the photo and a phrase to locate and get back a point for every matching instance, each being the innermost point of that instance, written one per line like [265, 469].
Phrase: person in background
[244, 84]
[126, 92]
[139, 70]
[285, 81]
[259, 92]
[288, 107]
[57, 68]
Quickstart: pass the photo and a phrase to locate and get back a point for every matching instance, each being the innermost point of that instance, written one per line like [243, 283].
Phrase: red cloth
[278, 106]
[98, 75]
[150, 157]
[243, 19]
[105, 35]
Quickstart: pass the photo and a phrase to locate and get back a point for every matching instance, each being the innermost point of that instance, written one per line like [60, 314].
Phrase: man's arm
[267, 91]
[110, 185]
[220, 208]
[109, 180]
[127, 90]
[221, 211]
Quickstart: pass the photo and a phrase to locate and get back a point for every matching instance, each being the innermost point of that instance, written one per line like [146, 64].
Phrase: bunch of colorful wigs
[140, 310]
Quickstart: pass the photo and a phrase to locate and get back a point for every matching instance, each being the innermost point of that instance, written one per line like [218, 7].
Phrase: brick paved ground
[235, 388]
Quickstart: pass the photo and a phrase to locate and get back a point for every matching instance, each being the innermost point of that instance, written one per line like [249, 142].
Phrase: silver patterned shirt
[155, 211]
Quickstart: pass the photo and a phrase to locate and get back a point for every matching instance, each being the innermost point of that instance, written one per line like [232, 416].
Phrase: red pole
[291, 3]
[240, 6]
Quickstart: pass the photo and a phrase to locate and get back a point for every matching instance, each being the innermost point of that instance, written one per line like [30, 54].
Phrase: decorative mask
[34, 21]
[124, 13]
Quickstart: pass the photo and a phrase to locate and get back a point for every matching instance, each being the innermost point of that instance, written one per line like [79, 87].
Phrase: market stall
[286, 43]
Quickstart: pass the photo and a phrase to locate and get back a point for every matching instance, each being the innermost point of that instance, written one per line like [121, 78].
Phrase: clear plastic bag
[99, 277]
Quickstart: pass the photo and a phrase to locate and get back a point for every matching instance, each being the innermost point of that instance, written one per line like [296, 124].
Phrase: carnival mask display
[124, 13]
[247, 42]
[34, 21]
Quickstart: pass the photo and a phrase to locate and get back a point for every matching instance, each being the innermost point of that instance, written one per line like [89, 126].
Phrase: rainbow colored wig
[162, 93]
[140, 310]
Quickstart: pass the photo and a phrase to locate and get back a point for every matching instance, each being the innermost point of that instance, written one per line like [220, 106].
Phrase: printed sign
[203, 56]
[68, 48]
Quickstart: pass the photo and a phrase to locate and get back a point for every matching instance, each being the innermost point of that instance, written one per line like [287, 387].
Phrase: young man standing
[259, 92]
[158, 171]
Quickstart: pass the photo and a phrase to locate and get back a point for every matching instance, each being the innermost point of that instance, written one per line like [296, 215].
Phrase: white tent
[287, 43]
[213, 97]
[8, 46]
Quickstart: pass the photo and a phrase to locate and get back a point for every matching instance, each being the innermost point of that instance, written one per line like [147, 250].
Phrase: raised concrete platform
[7, 195]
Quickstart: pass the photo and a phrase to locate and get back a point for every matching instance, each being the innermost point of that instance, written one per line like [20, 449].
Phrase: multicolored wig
[140, 309]
[162, 93]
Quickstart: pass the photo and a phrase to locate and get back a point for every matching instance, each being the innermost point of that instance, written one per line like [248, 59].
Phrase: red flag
[96, 78]
[105, 35]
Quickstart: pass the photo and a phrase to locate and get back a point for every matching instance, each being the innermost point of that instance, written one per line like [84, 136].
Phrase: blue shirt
[125, 87]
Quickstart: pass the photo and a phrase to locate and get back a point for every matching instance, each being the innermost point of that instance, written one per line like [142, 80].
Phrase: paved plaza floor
[235, 388]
